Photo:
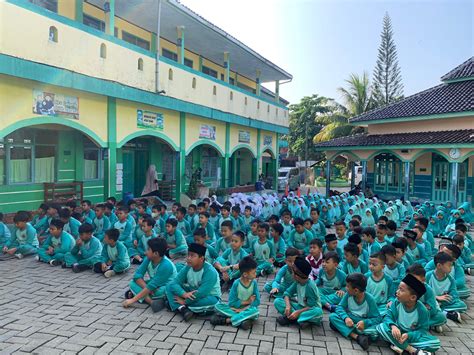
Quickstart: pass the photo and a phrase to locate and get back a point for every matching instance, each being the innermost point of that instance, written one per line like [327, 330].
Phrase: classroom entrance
[136, 160]
[442, 179]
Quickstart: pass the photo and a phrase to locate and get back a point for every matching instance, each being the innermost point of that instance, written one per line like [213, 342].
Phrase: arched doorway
[242, 167]
[269, 166]
[209, 159]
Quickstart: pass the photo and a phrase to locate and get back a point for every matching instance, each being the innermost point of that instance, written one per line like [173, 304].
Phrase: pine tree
[387, 81]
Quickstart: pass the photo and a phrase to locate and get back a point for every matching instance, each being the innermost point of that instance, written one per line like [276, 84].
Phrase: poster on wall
[148, 119]
[119, 177]
[267, 140]
[50, 104]
[208, 132]
[244, 137]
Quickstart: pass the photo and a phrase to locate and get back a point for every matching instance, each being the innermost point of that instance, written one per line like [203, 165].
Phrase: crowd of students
[374, 282]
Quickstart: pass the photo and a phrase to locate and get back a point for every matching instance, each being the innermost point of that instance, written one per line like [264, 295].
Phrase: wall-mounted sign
[208, 132]
[244, 137]
[50, 104]
[148, 119]
[267, 140]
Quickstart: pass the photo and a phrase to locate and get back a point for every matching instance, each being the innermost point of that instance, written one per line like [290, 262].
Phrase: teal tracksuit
[306, 295]
[159, 275]
[25, 241]
[238, 223]
[319, 230]
[262, 253]
[382, 291]
[300, 241]
[185, 229]
[72, 227]
[61, 245]
[457, 273]
[231, 257]
[192, 220]
[413, 322]
[249, 240]
[446, 285]
[437, 316]
[239, 293]
[329, 286]
[118, 255]
[418, 254]
[287, 229]
[142, 244]
[41, 224]
[87, 254]
[205, 281]
[367, 311]
[396, 273]
[177, 239]
[210, 233]
[100, 226]
[126, 232]
[348, 268]
[222, 245]
[282, 281]
[280, 249]
[5, 235]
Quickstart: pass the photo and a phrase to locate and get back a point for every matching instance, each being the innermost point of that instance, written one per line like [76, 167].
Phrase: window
[173, 56]
[45, 164]
[128, 37]
[188, 63]
[231, 81]
[140, 64]
[93, 22]
[51, 5]
[214, 90]
[103, 51]
[93, 160]
[247, 88]
[170, 74]
[209, 71]
[209, 163]
[389, 174]
[53, 34]
[20, 164]
[194, 83]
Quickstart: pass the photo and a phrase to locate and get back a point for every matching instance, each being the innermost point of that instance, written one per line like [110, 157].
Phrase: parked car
[290, 177]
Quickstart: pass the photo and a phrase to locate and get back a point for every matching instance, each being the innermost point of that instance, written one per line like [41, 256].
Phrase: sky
[321, 42]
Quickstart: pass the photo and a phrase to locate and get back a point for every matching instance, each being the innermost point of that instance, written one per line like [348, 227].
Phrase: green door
[142, 162]
[128, 157]
[237, 171]
[462, 182]
[440, 181]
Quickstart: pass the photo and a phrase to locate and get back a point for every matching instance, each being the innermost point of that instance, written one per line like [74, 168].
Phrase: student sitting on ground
[415, 251]
[263, 251]
[114, 259]
[357, 314]
[196, 288]
[315, 257]
[379, 284]
[276, 231]
[406, 323]
[177, 246]
[5, 233]
[395, 270]
[86, 252]
[331, 281]
[140, 242]
[226, 235]
[306, 310]
[353, 263]
[330, 244]
[101, 222]
[228, 263]
[300, 237]
[23, 241]
[159, 271]
[200, 237]
[284, 277]
[124, 226]
[58, 243]
[252, 235]
[244, 299]
[466, 260]
[71, 225]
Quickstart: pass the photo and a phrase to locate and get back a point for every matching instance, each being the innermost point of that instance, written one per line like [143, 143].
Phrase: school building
[420, 148]
[93, 92]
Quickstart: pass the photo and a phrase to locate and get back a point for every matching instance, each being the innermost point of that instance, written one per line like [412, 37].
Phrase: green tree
[357, 99]
[303, 126]
[387, 81]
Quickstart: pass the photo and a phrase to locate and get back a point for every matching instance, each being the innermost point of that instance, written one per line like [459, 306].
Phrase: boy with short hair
[247, 219]
[352, 262]
[263, 251]
[100, 222]
[287, 226]
[331, 281]
[204, 223]
[331, 245]
[341, 234]
[23, 241]
[300, 237]
[393, 268]
[114, 259]
[140, 242]
[284, 277]
[315, 257]
[71, 225]
[252, 234]
[465, 259]
[86, 252]
[200, 237]
[357, 240]
[381, 232]
[370, 244]
[124, 226]
[414, 250]
[236, 218]
[244, 299]
[319, 230]
[87, 211]
[192, 217]
[196, 288]
[160, 271]
[109, 212]
[226, 235]
[183, 225]
[276, 232]
[357, 314]
[406, 323]
[40, 220]
[382, 220]
[177, 246]
[228, 263]
[379, 284]
[400, 244]
[306, 310]
[56, 245]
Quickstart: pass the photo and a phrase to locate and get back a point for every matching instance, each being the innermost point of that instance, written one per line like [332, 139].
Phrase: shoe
[186, 313]
[396, 349]
[468, 271]
[363, 341]
[37, 258]
[332, 308]
[438, 329]
[246, 325]
[78, 268]
[422, 352]
[109, 273]
[55, 262]
[305, 325]
[128, 294]
[136, 261]
[157, 305]
[19, 256]
[454, 316]
[283, 320]
[217, 319]
[63, 265]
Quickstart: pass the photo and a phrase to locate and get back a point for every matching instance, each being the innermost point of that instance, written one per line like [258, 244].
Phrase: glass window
[209, 71]
[170, 55]
[93, 22]
[91, 164]
[51, 5]
[188, 62]
[45, 163]
[20, 164]
[169, 164]
[128, 37]
[209, 163]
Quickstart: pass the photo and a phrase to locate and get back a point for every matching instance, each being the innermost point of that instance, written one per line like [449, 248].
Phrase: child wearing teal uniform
[200, 237]
[114, 259]
[177, 246]
[406, 324]
[183, 225]
[228, 263]
[263, 251]
[124, 226]
[205, 223]
[5, 233]
[223, 243]
[244, 299]
[252, 235]
[101, 222]
[300, 237]
[287, 226]
[380, 285]
[71, 225]
[110, 213]
[237, 219]
[465, 260]
[247, 219]
[301, 303]
[353, 263]
[370, 244]
[40, 220]
[87, 211]
[86, 252]
[57, 244]
[395, 270]
[414, 250]
[341, 234]
[400, 244]
[24, 240]
[437, 316]
[196, 288]
[330, 244]
[318, 228]
[192, 216]
[284, 278]
[357, 240]
[140, 242]
[150, 279]
[331, 281]
[276, 232]
[357, 314]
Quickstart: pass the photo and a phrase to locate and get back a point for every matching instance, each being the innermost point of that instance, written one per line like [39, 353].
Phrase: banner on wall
[148, 119]
[267, 140]
[208, 132]
[244, 137]
[51, 104]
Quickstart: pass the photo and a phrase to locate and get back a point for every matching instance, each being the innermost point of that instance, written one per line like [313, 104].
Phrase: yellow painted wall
[127, 120]
[16, 104]
[193, 126]
[274, 142]
[423, 162]
[67, 8]
[423, 126]
[234, 137]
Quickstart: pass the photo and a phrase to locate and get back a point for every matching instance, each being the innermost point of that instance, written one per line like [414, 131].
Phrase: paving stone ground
[48, 310]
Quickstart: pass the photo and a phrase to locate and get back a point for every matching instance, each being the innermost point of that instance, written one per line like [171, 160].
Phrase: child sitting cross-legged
[301, 303]
[56, 245]
[160, 271]
[406, 323]
[392, 268]
[379, 284]
[5, 234]
[228, 263]
[276, 231]
[315, 257]
[86, 252]
[357, 314]
[114, 259]
[284, 277]
[23, 240]
[331, 281]
[244, 299]
[140, 241]
[263, 251]
[353, 263]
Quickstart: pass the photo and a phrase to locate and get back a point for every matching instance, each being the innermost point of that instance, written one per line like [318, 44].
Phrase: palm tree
[357, 100]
